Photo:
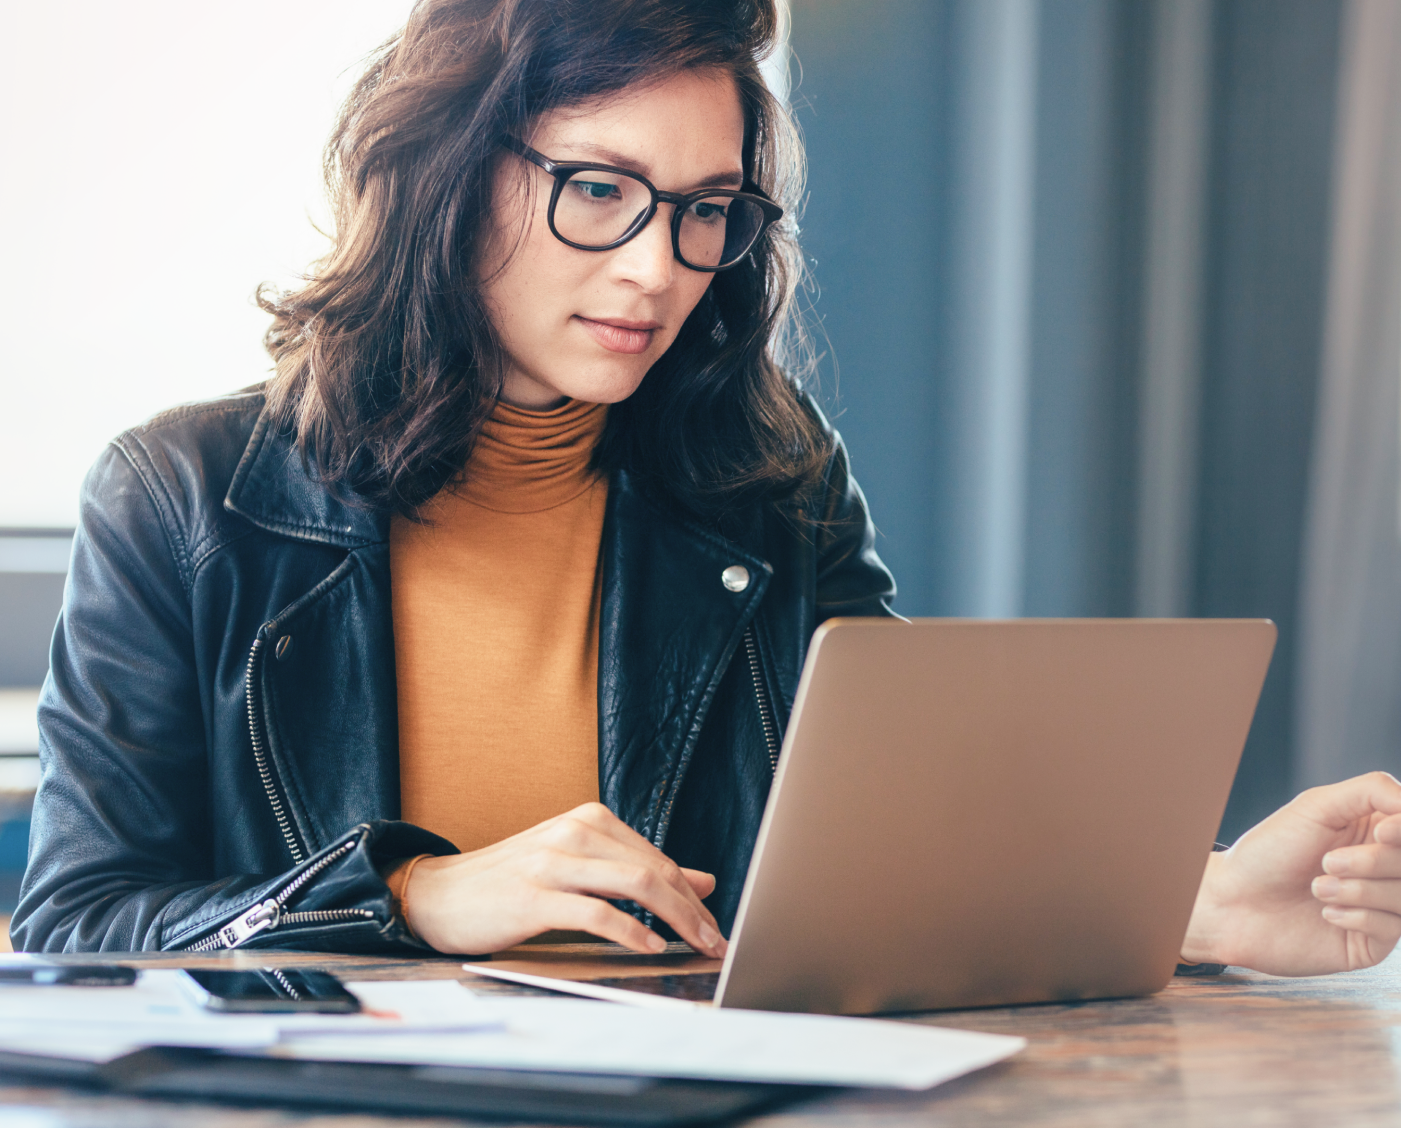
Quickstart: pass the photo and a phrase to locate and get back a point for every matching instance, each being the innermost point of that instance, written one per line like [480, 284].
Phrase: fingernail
[709, 937]
[1333, 913]
[1325, 887]
[656, 943]
[1335, 863]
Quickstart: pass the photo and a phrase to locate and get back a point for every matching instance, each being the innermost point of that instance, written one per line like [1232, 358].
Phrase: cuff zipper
[267, 915]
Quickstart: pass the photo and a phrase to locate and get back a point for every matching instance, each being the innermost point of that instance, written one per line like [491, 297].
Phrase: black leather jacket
[218, 731]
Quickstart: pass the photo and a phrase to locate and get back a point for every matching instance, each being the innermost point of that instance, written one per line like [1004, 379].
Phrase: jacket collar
[273, 489]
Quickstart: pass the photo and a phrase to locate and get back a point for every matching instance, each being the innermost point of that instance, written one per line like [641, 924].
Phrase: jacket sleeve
[120, 853]
[851, 579]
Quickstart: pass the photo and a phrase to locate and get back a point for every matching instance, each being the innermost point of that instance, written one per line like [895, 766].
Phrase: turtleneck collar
[529, 461]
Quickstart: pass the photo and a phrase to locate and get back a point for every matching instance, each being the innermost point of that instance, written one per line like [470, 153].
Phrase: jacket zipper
[260, 752]
[268, 914]
[751, 650]
[766, 718]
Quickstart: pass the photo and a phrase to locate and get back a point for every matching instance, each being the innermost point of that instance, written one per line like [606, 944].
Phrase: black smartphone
[69, 975]
[272, 990]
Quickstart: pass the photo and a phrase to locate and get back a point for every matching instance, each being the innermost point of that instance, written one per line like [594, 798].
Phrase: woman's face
[588, 325]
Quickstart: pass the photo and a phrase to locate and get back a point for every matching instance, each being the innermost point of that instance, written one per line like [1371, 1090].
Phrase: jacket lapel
[328, 692]
[331, 700]
[669, 628]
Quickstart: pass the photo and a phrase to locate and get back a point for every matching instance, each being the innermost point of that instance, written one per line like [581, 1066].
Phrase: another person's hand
[1315, 888]
[556, 876]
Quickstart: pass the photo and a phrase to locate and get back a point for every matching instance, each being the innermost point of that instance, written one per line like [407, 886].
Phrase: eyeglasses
[597, 207]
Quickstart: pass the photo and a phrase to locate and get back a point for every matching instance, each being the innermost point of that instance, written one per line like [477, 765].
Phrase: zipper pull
[257, 919]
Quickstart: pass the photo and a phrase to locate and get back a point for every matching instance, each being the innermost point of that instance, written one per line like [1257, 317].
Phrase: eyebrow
[732, 178]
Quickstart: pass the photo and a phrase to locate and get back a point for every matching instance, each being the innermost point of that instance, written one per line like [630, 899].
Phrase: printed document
[440, 1022]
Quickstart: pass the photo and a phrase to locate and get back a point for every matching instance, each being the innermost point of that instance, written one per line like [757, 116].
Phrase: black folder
[567, 1098]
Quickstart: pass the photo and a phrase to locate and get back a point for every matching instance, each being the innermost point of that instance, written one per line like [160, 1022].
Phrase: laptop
[970, 813]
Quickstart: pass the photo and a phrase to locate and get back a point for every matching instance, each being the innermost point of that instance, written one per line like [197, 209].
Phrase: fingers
[577, 913]
[1358, 893]
[1339, 804]
[703, 884]
[1381, 930]
[1380, 858]
[1373, 860]
[593, 831]
[1388, 831]
[1368, 908]
[646, 884]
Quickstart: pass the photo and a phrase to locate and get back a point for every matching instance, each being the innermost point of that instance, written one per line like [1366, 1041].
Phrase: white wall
[161, 158]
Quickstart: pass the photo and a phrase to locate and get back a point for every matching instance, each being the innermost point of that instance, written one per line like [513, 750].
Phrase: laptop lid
[973, 813]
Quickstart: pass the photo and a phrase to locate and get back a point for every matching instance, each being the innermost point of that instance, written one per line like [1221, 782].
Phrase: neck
[519, 390]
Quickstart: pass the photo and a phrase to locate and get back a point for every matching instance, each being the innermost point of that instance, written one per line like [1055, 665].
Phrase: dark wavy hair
[386, 362]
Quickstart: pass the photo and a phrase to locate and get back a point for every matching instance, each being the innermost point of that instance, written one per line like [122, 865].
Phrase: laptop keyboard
[697, 987]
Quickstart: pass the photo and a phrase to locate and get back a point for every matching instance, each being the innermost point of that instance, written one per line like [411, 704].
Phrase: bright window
[161, 159]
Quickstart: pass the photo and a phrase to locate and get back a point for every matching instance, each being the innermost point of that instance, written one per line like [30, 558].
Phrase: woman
[518, 552]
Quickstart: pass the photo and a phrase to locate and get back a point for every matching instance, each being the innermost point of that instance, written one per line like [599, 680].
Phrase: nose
[646, 259]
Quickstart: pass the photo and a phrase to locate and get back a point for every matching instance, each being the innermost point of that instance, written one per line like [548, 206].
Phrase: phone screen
[271, 989]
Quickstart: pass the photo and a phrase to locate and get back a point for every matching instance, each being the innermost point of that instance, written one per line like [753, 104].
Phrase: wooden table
[1243, 1049]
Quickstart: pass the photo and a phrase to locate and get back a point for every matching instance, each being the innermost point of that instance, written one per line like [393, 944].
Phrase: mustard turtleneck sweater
[496, 603]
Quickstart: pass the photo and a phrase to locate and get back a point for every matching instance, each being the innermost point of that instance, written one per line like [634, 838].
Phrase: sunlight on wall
[162, 158]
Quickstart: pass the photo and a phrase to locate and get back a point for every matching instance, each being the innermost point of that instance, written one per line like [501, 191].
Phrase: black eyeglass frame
[563, 170]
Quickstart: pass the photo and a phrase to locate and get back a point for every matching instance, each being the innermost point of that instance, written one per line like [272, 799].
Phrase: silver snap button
[735, 577]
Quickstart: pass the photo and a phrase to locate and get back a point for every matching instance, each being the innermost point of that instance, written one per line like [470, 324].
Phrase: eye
[595, 189]
[705, 209]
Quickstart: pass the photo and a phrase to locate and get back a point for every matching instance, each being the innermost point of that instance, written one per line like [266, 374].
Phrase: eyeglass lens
[596, 208]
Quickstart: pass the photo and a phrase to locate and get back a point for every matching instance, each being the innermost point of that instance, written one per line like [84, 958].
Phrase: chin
[604, 386]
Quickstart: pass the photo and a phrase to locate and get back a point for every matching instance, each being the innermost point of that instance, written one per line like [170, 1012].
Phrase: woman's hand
[1313, 889]
[556, 876]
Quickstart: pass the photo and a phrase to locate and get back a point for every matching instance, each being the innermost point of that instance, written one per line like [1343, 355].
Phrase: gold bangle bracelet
[403, 897]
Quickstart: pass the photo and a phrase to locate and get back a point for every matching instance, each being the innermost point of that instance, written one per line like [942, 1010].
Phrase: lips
[620, 335]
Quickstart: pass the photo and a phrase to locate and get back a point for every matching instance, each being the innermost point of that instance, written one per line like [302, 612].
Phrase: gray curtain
[1072, 261]
[1349, 677]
